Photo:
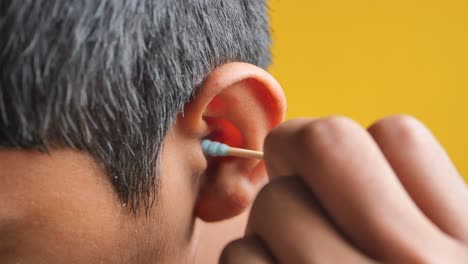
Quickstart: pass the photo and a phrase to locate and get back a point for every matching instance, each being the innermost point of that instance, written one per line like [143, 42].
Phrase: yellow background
[369, 59]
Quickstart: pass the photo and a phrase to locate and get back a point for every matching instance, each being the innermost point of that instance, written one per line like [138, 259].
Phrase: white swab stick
[245, 153]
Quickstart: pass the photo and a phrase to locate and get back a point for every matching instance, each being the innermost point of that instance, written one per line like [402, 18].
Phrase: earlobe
[238, 104]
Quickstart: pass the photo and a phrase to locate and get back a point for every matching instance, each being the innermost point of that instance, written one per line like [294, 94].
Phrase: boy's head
[102, 107]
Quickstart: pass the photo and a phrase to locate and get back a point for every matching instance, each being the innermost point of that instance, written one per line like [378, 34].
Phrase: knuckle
[404, 129]
[339, 120]
[320, 135]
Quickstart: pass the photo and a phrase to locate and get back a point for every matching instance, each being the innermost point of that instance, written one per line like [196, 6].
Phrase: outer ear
[238, 104]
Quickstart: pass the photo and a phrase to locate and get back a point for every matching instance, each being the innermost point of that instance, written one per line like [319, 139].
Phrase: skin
[338, 193]
[343, 194]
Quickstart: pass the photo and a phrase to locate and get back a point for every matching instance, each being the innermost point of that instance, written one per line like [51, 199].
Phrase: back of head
[109, 77]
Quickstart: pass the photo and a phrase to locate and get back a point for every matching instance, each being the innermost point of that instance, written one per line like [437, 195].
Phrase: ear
[238, 104]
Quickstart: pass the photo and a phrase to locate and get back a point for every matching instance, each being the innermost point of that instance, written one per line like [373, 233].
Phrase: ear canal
[224, 131]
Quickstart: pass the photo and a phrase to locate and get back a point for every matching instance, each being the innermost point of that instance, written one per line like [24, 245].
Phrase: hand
[388, 194]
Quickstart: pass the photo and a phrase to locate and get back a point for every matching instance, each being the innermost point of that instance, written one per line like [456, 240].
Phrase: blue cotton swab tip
[215, 149]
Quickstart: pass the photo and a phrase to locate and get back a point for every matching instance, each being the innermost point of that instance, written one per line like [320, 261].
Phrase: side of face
[56, 208]
[60, 208]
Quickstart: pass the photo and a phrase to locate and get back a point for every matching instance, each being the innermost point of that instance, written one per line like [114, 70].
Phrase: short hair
[109, 77]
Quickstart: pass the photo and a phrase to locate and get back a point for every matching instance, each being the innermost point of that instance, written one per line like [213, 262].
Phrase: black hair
[109, 77]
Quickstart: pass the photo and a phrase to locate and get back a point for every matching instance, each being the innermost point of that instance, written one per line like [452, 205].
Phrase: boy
[103, 105]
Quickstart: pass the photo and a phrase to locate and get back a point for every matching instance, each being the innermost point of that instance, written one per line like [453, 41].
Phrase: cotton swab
[217, 149]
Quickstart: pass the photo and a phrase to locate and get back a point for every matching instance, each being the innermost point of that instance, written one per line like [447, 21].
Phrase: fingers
[286, 218]
[426, 172]
[348, 174]
[277, 164]
[246, 250]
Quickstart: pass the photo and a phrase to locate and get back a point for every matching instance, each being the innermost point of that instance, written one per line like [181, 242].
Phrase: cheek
[177, 195]
[64, 215]
[61, 235]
